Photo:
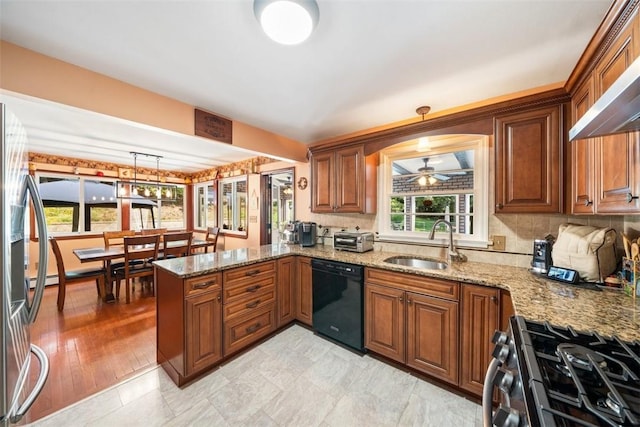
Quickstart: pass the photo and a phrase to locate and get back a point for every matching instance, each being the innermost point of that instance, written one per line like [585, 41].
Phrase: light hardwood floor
[91, 345]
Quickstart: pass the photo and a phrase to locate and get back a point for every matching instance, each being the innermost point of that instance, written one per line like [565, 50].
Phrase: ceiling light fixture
[422, 180]
[133, 189]
[287, 22]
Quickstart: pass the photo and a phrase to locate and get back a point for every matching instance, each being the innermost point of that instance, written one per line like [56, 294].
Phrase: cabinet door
[582, 156]
[304, 294]
[350, 181]
[285, 295]
[480, 318]
[203, 330]
[528, 161]
[323, 182]
[432, 336]
[384, 317]
[617, 156]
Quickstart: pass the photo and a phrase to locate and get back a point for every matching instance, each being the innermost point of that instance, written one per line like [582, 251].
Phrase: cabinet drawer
[409, 282]
[247, 289]
[249, 272]
[242, 331]
[202, 284]
[250, 303]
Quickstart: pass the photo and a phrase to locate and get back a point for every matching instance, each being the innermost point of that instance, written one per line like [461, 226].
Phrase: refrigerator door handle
[43, 244]
[37, 388]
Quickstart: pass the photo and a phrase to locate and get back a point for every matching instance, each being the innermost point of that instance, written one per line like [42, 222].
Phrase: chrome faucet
[453, 255]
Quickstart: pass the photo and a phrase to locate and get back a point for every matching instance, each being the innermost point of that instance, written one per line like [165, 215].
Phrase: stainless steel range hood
[617, 110]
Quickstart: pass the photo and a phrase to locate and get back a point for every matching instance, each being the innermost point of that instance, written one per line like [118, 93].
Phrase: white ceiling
[368, 63]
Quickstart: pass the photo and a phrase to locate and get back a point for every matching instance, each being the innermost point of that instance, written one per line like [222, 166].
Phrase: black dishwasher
[338, 301]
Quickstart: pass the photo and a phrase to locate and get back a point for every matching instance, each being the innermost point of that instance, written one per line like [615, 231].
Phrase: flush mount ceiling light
[287, 22]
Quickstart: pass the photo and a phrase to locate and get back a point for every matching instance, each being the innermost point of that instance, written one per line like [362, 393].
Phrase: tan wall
[30, 73]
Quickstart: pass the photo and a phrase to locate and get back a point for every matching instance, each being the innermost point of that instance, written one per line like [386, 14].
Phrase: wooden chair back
[75, 276]
[177, 244]
[149, 231]
[115, 238]
[212, 236]
[139, 253]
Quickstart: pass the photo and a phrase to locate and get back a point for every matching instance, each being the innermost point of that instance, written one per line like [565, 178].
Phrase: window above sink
[444, 177]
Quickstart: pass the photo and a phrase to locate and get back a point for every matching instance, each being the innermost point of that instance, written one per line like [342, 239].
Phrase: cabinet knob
[588, 202]
[631, 197]
[400, 299]
[494, 299]
[219, 298]
[409, 301]
[499, 206]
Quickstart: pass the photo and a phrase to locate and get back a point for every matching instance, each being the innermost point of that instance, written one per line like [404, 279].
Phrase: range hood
[617, 110]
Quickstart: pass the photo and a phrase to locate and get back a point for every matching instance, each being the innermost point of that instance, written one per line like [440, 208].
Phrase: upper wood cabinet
[529, 161]
[582, 156]
[605, 177]
[343, 180]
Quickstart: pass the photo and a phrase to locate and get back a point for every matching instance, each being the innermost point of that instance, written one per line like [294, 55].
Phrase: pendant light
[287, 22]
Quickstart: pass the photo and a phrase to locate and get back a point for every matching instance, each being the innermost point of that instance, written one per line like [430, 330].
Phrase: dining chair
[170, 249]
[112, 238]
[139, 254]
[75, 276]
[212, 236]
[149, 231]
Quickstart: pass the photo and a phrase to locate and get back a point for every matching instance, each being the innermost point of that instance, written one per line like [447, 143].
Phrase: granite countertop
[609, 312]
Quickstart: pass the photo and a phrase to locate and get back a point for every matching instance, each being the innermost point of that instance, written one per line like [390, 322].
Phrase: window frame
[233, 180]
[81, 180]
[438, 145]
[196, 204]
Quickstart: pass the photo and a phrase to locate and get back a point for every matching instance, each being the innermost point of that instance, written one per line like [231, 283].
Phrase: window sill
[425, 241]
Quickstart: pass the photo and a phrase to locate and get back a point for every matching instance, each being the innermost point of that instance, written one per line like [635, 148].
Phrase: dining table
[107, 254]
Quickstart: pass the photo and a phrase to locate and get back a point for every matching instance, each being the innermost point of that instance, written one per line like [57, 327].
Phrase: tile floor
[294, 379]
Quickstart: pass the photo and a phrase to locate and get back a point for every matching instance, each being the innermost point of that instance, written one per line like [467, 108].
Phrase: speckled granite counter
[608, 312]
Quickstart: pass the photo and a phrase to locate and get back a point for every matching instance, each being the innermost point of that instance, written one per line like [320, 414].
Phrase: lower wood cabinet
[249, 304]
[413, 327]
[286, 295]
[203, 323]
[432, 336]
[304, 291]
[480, 317]
[189, 324]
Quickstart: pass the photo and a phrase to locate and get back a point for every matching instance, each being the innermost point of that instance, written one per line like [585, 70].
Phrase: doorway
[278, 204]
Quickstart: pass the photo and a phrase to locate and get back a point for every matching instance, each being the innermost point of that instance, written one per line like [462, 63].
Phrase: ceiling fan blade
[413, 178]
[440, 177]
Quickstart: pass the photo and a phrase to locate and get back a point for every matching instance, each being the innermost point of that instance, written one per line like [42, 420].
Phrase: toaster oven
[354, 242]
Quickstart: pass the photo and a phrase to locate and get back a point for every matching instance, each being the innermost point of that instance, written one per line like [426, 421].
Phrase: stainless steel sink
[411, 261]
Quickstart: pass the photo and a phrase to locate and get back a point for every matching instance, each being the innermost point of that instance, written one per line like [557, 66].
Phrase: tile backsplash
[520, 231]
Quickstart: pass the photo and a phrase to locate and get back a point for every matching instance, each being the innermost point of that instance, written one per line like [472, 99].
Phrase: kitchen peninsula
[206, 276]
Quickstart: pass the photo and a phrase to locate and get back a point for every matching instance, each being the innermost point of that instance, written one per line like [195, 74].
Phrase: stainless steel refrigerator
[18, 305]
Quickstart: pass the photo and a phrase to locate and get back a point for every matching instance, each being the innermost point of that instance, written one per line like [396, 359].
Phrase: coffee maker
[307, 234]
[542, 255]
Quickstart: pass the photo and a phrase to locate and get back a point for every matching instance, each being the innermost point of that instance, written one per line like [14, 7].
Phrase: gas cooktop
[574, 378]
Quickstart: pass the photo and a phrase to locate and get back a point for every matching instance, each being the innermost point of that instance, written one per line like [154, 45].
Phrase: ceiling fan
[427, 174]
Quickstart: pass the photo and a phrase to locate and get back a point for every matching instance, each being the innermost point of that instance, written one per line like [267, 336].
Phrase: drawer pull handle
[253, 288]
[253, 328]
[252, 272]
[203, 285]
[253, 304]
[631, 197]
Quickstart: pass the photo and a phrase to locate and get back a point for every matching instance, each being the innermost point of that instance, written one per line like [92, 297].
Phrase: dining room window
[150, 212]
[76, 204]
[206, 205]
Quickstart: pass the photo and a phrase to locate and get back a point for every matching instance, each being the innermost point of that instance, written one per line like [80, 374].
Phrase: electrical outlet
[499, 243]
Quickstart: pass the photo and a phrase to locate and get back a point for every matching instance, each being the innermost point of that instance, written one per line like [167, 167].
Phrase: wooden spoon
[635, 251]
[627, 245]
